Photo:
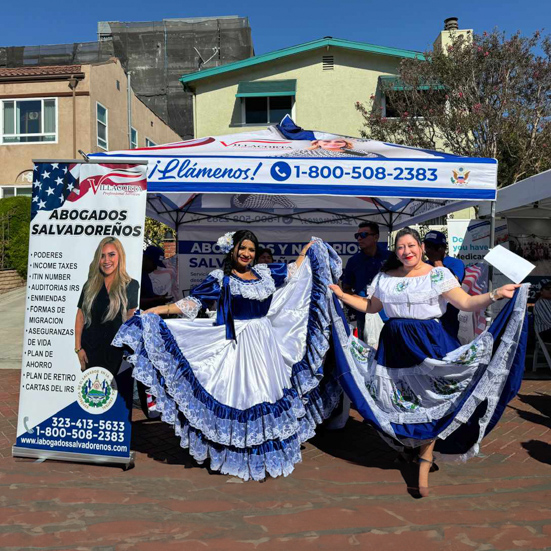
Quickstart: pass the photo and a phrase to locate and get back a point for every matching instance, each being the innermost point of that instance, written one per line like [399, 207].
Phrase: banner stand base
[126, 462]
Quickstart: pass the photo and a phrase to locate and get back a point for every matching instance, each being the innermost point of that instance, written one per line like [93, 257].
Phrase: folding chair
[541, 347]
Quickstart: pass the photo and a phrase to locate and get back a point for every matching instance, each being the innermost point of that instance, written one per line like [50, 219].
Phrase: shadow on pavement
[361, 444]
[541, 403]
[541, 451]
[357, 443]
[158, 441]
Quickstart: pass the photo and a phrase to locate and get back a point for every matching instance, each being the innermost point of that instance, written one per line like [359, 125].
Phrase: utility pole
[129, 100]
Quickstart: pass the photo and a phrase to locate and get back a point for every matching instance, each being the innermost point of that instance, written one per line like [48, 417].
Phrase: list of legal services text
[50, 282]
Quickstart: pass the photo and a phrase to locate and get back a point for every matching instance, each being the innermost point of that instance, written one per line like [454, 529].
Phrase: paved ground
[349, 493]
[12, 319]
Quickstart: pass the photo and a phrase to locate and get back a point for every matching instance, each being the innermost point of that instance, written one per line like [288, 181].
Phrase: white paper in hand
[509, 264]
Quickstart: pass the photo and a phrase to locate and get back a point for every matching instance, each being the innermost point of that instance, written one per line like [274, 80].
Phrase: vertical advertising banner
[469, 240]
[85, 255]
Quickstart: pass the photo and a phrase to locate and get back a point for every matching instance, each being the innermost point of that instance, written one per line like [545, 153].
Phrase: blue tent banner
[407, 185]
[431, 178]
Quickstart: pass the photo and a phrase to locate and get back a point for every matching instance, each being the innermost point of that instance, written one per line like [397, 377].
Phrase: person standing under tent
[436, 251]
[542, 313]
[164, 278]
[265, 256]
[245, 391]
[363, 266]
[151, 261]
[420, 389]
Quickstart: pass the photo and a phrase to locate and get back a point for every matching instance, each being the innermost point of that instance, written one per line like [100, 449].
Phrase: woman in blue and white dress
[244, 390]
[420, 388]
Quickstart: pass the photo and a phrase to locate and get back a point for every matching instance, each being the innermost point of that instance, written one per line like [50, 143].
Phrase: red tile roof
[40, 71]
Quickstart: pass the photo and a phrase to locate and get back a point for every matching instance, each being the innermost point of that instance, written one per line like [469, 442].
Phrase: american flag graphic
[53, 184]
[475, 282]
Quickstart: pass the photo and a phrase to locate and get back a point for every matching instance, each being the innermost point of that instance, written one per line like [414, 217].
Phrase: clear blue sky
[277, 24]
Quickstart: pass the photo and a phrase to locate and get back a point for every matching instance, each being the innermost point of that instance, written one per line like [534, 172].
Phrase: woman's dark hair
[393, 262]
[238, 238]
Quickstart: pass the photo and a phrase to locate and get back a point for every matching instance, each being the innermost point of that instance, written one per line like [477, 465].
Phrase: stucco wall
[445, 38]
[99, 84]
[16, 158]
[325, 100]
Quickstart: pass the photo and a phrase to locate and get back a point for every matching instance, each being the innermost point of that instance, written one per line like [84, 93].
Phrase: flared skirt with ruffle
[245, 405]
[420, 386]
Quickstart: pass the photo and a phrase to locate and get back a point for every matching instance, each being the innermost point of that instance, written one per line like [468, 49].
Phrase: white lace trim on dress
[253, 289]
[442, 281]
[447, 285]
[189, 307]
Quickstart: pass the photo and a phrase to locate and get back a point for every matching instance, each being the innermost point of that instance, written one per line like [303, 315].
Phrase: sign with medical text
[469, 240]
[85, 254]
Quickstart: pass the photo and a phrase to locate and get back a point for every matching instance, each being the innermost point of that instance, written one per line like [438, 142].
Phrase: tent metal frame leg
[492, 242]
[490, 267]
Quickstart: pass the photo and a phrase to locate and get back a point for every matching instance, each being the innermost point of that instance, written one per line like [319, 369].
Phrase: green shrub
[17, 246]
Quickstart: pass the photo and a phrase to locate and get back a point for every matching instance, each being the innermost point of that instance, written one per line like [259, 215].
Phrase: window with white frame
[14, 191]
[29, 120]
[266, 109]
[149, 143]
[133, 138]
[102, 128]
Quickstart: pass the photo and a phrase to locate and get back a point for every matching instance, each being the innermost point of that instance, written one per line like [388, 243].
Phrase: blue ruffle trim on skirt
[263, 439]
[495, 360]
[307, 373]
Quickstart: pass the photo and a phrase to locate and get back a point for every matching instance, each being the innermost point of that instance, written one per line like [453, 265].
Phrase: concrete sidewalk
[348, 493]
[12, 321]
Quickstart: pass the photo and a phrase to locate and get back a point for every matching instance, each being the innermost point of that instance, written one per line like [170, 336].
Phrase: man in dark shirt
[435, 249]
[362, 267]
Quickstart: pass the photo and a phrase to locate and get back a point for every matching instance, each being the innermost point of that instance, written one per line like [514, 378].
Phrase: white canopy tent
[529, 198]
[285, 171]
[526, 206]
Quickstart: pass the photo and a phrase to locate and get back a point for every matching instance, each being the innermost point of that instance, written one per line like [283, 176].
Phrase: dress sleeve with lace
[202, 296]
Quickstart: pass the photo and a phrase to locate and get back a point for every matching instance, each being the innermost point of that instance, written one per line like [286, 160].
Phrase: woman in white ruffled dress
[243, 390]
[420, 388]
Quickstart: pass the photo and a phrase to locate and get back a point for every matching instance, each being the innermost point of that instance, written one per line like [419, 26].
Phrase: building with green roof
[318, 83]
